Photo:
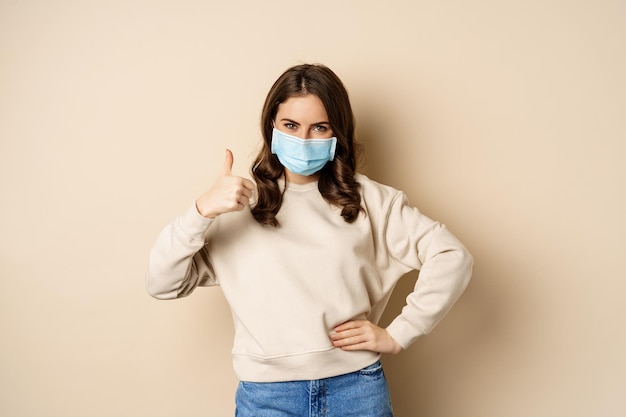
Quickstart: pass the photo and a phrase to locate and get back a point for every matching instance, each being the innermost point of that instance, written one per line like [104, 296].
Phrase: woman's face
[304, 117]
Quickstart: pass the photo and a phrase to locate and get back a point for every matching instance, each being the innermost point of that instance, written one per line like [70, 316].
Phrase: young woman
[307, 256]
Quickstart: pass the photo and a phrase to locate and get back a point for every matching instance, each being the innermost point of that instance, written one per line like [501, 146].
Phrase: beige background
[503, 119]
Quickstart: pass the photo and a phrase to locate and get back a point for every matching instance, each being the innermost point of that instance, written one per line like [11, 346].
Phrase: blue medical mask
[302, 156]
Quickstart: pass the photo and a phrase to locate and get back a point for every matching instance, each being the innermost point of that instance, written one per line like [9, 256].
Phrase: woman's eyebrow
[296, 123]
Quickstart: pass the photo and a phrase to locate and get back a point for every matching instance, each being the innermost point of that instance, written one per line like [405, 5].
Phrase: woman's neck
[301, 179]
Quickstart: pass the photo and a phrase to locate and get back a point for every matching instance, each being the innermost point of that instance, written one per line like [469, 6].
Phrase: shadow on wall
[469, 351]
[440, 368]
[454, 364]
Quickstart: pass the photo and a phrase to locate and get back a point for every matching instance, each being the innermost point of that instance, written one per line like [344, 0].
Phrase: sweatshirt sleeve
[445, 266]
[177, 262]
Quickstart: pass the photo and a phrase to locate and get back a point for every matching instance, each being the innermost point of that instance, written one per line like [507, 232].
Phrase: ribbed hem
[301, 367]
[404, 332]
[193, 224]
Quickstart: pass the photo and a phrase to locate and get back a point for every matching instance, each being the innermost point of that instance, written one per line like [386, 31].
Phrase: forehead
[306, 108]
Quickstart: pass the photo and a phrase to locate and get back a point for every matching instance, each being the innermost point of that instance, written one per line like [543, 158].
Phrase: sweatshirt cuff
[193, 224]
[404, 332]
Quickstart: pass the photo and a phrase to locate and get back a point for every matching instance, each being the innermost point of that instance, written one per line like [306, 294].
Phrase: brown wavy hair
[336, 182]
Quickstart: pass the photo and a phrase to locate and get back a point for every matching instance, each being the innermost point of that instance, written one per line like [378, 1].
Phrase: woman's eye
[320, 128]
[290, 126]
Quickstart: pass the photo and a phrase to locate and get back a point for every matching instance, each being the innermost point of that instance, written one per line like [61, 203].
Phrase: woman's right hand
[228, 193]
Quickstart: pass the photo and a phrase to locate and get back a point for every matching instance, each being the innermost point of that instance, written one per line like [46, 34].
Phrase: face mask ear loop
[333, 148]
[272, 142]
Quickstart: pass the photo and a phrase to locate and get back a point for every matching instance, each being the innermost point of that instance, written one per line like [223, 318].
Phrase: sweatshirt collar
[297, 187]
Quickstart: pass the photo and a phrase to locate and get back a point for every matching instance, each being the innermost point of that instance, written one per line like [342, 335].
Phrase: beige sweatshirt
[288, 287]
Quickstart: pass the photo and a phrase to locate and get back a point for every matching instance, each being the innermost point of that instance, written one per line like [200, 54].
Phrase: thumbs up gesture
[228, 193]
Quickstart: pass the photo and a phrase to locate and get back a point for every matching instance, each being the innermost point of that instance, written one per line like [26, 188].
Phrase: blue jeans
[362, 393]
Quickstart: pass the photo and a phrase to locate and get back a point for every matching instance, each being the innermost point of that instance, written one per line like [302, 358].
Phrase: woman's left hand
[364, 335]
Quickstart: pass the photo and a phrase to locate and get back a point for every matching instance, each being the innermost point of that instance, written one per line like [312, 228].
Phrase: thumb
[228, 163]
